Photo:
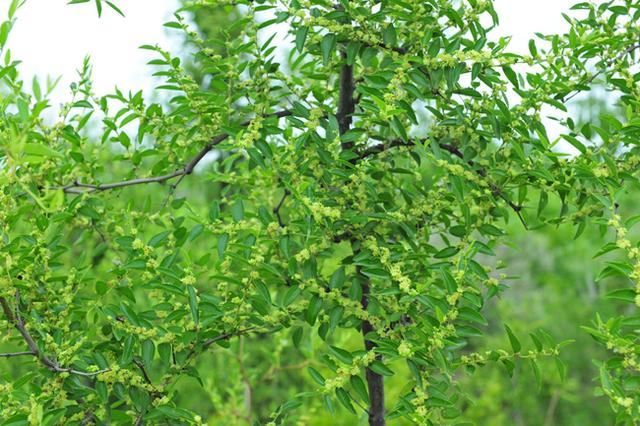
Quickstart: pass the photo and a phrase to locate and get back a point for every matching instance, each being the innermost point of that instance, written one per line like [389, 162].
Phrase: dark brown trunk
[375, 382]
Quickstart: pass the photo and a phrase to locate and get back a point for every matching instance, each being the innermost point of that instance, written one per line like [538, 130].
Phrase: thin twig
[140, 365]
[377, 149]
[14, 354]
[362, 407]
[225, 336]
[602, 71]
[139, 419]
[172, 190]
[88, 418]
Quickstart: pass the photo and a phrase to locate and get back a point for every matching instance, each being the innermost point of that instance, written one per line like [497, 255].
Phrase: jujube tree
[350, 188]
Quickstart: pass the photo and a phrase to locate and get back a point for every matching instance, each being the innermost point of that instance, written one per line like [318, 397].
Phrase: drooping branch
[80, 187]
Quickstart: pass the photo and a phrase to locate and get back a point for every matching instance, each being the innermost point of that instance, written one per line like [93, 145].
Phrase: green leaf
[316, 376]
[256, 156]
[328, 403]
[536, 374]
[342, 355]
[353, 47]
[624, 294]
[328, 46]
[13, 7]
[301, 37]
[562, 369]
[446, 252]
[532, 48]
[511, 75]
[335, 316]
[389, 36]
[193, 304]
[114, 7]
[37, 92]
[127, 352]
[148, 350]
[164, 352]
[291, 295]
[379, 368]
[536, 341]
[40, 152]
[488, 229]
[214, 210]
[345, 400]
[399, 129]
[472, 315]
[515, 343]
[4, 32]
[315, 305]
[360, 388]
[223, 240]
[337, 278]
[575, 142]
[158, 239]
[509, 365]
[237, 211]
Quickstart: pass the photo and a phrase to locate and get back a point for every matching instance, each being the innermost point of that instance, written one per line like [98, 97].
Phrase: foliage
[360, 191]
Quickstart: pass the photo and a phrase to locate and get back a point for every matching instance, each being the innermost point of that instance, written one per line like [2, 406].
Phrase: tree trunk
[375, 382]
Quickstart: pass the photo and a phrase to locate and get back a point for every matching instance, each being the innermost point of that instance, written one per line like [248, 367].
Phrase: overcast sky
[53, 38]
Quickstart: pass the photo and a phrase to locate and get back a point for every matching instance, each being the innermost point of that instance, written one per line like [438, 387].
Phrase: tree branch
[375, 381]
[276, 210]
[225, 336]
[14, 354]
[19, 324]
[142, 368]
[81, 188]
[590, 80]
[495, 190]
[380, 148]
[346, 102]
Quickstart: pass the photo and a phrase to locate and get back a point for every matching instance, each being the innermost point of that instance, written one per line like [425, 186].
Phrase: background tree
[341, 214]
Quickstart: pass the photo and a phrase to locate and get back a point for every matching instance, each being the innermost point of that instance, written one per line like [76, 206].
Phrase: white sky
[522, 18]
[52, 38]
